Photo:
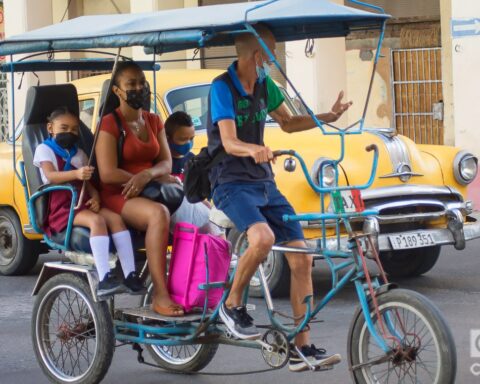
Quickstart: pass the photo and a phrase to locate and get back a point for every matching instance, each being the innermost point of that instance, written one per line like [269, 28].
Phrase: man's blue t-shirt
[229, 101]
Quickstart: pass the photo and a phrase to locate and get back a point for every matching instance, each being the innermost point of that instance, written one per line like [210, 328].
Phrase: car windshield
[194, 101]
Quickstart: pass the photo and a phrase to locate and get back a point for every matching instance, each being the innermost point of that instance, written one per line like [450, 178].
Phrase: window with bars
[417, 94]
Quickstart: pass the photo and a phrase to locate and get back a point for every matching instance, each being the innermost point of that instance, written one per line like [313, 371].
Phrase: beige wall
[318, 78]
[21, 16]
[461, 61]
[359, 71]
[96, 7]
[409, 8]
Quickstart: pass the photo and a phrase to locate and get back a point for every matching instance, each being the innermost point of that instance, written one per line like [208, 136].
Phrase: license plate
[348, 201]
[412, 240]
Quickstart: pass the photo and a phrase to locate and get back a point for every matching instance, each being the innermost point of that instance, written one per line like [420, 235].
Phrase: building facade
[426, 83]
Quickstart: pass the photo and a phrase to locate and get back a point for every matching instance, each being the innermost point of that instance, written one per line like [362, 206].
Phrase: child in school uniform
[60, 161]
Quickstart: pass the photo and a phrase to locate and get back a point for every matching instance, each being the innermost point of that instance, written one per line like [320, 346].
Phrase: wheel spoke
[415, 333]
[67, 333]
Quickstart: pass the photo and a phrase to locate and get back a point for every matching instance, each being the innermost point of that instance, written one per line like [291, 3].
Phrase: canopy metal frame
[200, 38]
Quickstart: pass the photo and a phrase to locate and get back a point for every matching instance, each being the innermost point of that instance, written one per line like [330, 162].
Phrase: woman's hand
[84, 173]
[93, 204]
[135, 185]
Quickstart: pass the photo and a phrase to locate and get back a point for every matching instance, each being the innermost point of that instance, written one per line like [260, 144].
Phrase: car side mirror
[290, 164]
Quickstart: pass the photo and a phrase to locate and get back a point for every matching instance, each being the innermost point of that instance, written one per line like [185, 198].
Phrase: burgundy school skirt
[59, 203]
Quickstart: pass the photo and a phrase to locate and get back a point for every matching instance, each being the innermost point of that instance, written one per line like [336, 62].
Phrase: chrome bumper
[442, 236]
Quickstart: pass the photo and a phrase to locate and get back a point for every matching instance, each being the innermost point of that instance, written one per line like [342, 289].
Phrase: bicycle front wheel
[422, 345]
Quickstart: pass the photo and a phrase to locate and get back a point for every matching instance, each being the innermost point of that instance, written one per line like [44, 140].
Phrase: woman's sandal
[173, 310]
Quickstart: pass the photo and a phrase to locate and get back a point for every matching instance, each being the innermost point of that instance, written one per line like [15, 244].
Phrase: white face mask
[263, 71]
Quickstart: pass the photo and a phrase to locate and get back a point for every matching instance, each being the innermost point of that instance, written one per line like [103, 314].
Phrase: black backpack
[196, 184]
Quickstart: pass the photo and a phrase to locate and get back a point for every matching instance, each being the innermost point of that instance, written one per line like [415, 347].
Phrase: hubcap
[8, 242]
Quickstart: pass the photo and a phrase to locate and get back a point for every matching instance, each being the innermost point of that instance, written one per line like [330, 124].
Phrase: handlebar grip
[371, 147]
[282, 152]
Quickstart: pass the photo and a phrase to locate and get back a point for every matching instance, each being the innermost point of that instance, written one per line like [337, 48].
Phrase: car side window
[86, 108]
[192, 100]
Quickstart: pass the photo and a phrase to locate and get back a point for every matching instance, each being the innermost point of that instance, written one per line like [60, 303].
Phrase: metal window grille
[3, 107]
[417, 94]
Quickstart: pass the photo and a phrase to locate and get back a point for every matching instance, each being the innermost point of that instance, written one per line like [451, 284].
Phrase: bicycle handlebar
[284, 152]
[369, 148]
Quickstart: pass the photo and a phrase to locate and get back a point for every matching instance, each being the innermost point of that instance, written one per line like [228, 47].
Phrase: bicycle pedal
[250, 307]
[322, 368]
[228, 334]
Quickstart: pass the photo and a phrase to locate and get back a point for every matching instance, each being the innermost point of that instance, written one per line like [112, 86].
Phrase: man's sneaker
[239, 322]
[134, 284]
[317, 357]
[109, 286]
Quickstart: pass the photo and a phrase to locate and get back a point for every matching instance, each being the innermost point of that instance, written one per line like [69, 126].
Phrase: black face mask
[66, 140]
[136, 97]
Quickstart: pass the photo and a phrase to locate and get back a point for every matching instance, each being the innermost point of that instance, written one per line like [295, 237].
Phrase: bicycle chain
[136, 347]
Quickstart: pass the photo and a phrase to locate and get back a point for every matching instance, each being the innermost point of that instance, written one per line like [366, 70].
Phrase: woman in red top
[145, 157]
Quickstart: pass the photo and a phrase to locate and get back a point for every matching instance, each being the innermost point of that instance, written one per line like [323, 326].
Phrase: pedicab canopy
[187, 28]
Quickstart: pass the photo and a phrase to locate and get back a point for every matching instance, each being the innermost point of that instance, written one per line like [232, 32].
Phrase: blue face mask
[263, 71]
[181, 149]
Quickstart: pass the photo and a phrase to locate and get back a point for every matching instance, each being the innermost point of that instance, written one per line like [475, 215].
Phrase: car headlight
[465, 167]
[328, 172]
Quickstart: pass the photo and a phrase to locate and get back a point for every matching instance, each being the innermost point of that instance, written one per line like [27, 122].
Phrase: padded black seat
[41, 101]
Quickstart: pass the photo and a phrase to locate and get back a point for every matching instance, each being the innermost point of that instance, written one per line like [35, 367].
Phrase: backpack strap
[251, 114]
[121, 138]
[217, 159]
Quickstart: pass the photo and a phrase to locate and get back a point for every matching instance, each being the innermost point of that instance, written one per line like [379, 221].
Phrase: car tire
[277, 271]
[18, 255]
[409, 262]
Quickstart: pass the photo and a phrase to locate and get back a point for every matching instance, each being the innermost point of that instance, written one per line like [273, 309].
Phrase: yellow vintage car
[420, 190]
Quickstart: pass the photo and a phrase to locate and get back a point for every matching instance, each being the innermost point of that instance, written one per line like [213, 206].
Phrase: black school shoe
[239, 322]
[134, 284]
[109, 286]
[317, 357]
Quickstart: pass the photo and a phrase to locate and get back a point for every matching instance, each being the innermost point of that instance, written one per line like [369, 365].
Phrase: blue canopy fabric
[186, 28]
[69, 65]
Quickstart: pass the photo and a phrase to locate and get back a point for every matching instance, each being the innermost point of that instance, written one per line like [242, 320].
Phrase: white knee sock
[123, 243]
[100, 245]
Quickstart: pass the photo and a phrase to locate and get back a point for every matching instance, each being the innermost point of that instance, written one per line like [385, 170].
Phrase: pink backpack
[188, 268]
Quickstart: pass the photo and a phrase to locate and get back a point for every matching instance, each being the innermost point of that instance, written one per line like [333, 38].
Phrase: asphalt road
[453, 284]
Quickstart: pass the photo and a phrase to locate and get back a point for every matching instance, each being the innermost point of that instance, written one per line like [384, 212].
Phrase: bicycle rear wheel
[72, 334]
[426, 353]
